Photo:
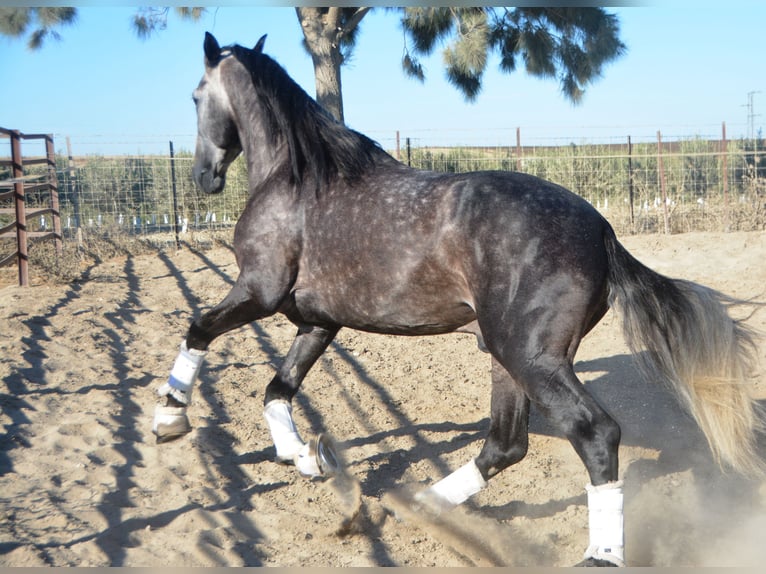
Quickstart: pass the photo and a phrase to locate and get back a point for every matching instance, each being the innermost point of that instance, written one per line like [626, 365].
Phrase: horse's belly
[385, 314]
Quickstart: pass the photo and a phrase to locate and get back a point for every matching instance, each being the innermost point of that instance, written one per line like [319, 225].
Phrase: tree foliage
[148, 20]
[38, 23]
[570, 44]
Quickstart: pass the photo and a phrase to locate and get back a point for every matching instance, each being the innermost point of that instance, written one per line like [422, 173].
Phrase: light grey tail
[691, 343]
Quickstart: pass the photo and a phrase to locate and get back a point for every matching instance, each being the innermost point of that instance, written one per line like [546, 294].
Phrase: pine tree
[39, 23]
[569, 44]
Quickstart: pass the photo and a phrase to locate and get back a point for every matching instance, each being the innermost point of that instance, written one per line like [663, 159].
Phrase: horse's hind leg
[538, 355]
[308, 346]
[549, 380]
[506, 444]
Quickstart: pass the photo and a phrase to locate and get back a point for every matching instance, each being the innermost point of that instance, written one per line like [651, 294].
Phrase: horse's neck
[263, 159]
[262, 156]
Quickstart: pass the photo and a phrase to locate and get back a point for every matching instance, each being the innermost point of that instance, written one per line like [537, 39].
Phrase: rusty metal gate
[17, 185]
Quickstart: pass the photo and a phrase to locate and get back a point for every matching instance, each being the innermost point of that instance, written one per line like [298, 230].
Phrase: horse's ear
[259, 45]
[212, 50]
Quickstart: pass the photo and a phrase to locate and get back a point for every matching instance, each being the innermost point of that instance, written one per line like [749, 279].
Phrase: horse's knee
[495, 458]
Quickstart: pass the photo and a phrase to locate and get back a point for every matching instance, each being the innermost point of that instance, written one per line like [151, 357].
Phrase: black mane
[320, 147]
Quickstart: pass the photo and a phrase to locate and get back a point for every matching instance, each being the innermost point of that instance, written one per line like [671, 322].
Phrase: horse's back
[510, 223]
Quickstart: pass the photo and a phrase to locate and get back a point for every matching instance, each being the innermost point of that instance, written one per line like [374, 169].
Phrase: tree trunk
[322, 36]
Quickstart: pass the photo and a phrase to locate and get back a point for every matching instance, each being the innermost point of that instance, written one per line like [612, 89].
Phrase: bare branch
[354, 21]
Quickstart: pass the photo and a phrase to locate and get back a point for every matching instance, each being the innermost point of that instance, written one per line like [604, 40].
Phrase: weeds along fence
[690, 184]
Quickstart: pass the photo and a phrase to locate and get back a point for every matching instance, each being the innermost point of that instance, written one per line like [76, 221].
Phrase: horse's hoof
[318, 458]
[596, 563]
[170, 423]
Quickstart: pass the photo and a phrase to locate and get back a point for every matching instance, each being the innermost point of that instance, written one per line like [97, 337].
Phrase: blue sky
[689, 67]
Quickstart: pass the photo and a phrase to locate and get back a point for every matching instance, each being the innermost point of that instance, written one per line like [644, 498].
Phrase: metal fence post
[409, 153]
[19, 201]
[725, 179]
[175, 195]
[50, 154]
[630, 179]
[662, 183]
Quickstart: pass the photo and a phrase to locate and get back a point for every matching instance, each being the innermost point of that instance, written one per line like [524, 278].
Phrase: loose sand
[83, 483]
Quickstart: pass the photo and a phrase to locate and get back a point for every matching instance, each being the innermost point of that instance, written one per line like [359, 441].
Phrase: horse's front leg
[308, 346]
[238, 308]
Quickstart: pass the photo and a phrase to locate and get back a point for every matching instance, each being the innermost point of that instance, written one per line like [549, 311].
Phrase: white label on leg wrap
[185, 371]
[605, 522]
[455, 488]
[279, 417]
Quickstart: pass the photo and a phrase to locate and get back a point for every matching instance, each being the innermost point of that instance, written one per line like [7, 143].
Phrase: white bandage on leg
[279, 417]
[454, 488]
[183, 375]
[605, 523]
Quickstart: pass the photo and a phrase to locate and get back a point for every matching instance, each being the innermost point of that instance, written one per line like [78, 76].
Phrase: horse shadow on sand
[650, 418]
[678, 500]
[30, 382]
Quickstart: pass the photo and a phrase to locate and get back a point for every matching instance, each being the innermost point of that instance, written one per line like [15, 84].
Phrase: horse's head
[218, 142]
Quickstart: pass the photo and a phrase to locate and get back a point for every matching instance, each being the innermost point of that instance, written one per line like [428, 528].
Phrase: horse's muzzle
[209, 180]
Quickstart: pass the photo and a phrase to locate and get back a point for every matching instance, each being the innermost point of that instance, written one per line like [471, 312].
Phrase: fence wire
[706, 187]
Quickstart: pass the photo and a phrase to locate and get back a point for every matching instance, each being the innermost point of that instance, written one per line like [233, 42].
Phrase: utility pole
[751, 135]
[751, 115]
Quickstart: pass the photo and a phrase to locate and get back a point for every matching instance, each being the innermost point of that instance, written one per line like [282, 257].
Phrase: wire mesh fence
[686, 184]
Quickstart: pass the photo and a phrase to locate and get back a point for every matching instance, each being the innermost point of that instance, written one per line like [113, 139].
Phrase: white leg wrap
[279, 417]
[183, 375]
[171, 422]
[605, 523]
[455, 488]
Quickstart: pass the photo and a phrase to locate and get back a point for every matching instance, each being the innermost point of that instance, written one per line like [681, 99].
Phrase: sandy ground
[83, 483]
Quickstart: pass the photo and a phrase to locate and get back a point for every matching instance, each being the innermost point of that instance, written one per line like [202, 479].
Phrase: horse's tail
[691, 342]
